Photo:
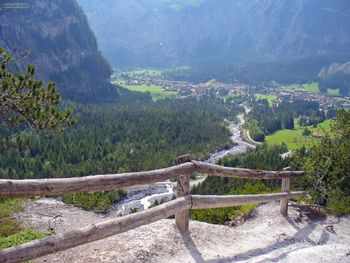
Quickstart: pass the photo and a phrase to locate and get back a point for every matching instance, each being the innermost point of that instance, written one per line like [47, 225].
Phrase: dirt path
[304, 236]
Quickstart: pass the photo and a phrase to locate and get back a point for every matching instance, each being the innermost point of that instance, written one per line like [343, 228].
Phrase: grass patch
[269, 98]
[9, 225]
[11, 231]
[333, 92]
[9, 206]
[340, 207]
[157, 92]
[235, 214]
[292, 87]
[311, 87]
[98, 202]
[22, 237]
[294, 138]
[222, 215]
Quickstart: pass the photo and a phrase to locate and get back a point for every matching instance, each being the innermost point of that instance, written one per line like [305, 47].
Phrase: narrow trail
[303, 236]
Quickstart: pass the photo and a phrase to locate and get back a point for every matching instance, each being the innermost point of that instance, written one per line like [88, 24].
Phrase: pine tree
[26, 103]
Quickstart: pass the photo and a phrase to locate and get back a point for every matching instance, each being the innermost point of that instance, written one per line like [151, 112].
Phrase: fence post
[183, 188]
[285, 188]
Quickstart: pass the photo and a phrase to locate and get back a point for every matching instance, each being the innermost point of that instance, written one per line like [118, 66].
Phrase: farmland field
[294, 138]
[313, 87]
[156, 91]
[333, 92]
[269, 98]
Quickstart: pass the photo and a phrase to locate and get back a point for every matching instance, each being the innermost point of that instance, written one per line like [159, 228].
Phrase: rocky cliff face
[166, 32]
[62, 46]
[335, 68]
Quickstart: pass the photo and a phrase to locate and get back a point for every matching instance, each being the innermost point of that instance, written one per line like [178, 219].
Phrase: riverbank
[142, 197]
[246, 137]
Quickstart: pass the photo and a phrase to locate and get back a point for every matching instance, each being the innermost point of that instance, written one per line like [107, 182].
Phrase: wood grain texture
[54, 187]
[58, 186]
[92, 232]
[285, 187]
[217, 170]
[215, 201]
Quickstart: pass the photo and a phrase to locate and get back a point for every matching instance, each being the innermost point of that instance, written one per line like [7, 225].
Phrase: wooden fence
[179, 207]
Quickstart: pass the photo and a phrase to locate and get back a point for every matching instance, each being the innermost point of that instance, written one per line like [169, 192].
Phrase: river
[239, 146]
[142, 197]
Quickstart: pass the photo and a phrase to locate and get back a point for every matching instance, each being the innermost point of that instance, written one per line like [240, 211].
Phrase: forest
[264, 120]
[325, 164]
[115, 138]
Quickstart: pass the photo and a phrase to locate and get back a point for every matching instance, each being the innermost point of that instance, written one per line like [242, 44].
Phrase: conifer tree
[25, 103]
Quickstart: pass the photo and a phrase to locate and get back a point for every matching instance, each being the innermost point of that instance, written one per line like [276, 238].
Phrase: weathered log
[183, 188]
[285, 187]
[92, 232]
[213, 169]
[61, 186]
[215, 201]
[58, 186]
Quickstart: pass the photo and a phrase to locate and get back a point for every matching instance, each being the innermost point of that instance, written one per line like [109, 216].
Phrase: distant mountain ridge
[175, 32]
[62, 46]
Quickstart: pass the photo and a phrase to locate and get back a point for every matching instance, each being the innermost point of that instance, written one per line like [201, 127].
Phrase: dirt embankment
[303, 236]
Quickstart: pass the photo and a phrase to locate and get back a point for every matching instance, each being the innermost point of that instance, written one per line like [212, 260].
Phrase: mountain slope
[61, 45]
[168, 32]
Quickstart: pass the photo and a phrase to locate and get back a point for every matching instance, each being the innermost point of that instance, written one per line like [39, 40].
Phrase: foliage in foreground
[98, 202]
[9, 225]
[264, 157]
[227, 214]
[11, 231]
[26, 103]
[22, 237]
[326, 166]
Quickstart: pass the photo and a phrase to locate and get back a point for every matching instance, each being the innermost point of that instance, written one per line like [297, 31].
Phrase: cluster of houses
[298, 94]
[184, 88]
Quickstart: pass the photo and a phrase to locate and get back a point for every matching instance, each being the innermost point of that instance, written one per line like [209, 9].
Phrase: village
[214, 87]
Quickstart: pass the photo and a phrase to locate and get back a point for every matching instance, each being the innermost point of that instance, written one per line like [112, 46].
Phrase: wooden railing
[179, 207]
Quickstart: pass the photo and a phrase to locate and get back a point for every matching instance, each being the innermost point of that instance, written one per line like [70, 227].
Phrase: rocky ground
[304, 236]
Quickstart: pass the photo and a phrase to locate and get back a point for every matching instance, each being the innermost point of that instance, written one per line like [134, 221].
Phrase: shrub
[22, 237]
[98, 202]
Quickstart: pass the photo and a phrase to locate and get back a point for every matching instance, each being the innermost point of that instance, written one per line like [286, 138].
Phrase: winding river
[143, 197]
[239, 146]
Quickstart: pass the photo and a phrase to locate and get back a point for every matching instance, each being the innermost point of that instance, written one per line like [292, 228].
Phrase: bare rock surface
[303, 236]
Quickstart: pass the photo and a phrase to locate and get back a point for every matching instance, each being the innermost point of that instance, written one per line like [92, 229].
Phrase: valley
[233, 117]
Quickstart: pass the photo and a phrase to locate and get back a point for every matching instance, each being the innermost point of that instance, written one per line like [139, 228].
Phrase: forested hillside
[128, 137]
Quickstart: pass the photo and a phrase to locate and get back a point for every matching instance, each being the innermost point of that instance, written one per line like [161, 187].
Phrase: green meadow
[157, 92]
[269, 98]
[294, 138]
[333, 92]
[313, 87]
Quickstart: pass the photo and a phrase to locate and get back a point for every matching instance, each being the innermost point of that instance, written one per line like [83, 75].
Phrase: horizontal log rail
[217, 170]
[179, 207]
[94, 183]
[216, 201]
[114, 226]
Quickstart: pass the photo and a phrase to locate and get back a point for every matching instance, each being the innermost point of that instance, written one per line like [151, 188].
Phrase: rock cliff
[61, 45]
